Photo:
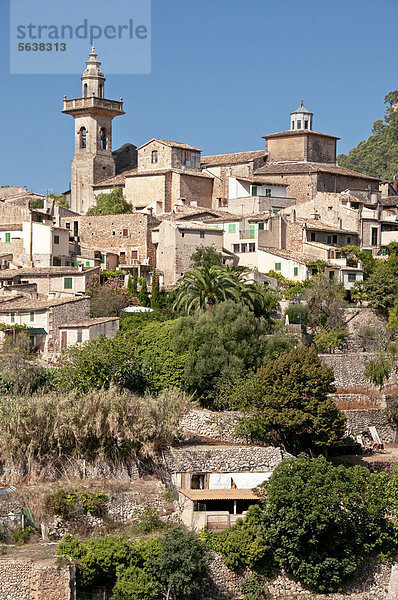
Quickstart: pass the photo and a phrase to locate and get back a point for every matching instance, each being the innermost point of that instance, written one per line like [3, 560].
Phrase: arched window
[83, 137]
[85, 90]
[103, 138]
[101, 91]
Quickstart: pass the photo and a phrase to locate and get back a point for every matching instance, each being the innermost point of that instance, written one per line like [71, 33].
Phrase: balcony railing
[74, 104]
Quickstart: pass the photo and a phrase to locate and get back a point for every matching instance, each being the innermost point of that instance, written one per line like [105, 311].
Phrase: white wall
[266, 262]
[240, 189]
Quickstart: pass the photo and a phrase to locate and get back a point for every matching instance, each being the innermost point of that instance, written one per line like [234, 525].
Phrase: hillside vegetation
[378, 155]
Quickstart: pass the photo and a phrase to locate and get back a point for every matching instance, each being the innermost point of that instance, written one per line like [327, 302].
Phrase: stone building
[93, 114]
[127, 235]
[42, 317]
[87, 330]
[176, 241]
[52, 281]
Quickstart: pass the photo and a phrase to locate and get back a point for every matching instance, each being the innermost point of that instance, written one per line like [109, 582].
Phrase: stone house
[87, 330]
[43, 317]
[52, 281]
[127, 235]
[175, 242]
[215, 483]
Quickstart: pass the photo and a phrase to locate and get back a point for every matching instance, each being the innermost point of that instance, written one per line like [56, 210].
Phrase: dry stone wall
[25, 579]
[218, 426]
[349, 369]
[359, 421]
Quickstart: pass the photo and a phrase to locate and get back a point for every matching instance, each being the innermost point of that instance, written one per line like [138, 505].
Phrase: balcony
[114, 107]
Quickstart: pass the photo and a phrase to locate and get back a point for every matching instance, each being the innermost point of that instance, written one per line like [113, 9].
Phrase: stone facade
[217, 426]
[301, 146]
[359, 421]
[25, 579]
[129, 235]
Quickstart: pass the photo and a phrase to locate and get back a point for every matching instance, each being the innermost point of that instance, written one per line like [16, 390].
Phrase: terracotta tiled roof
[197, 226]
[283, 168]
[200, 212]
[13, 227]
[88, 322]
[288, 254]
[171, 144]
[46, 271]
[389, 201]
[295, 132]
[316, 224]
[227, 494]
[24, 303]
[234, 158]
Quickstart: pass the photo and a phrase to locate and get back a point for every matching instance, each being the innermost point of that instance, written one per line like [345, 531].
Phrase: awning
[232, 494]
[37, 331]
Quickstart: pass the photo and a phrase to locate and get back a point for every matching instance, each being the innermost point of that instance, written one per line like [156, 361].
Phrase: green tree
[297, 313]
[134, 283]
[286, 402]
[330, 340]
[155, 296]
[382, 286]
[133, 583]
[181, 567]
[206, 256]
[97, 364]
[143, 295]
[217, 343]
[112, 203]
[322, 520]
[60, 199]
[378, 369]
[108, 302]
[378, 155]
[325, 303]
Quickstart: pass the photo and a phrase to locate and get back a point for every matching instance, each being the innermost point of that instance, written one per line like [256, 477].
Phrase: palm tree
[202, 287]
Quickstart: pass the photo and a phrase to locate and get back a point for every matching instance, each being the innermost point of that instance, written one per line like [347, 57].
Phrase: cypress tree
[134, 283]
[143, 295]
[155, 291]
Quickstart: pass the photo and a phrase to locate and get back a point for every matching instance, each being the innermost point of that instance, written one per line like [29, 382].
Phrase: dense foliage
[316, 521]
[286, 402]
[378, 155]
[172, 566]
[110, 204]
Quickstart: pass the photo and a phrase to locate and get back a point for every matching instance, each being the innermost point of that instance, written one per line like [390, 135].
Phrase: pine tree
[134, 283]
[155, 292]
[143, 295]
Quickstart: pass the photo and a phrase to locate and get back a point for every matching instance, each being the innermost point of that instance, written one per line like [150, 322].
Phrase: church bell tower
[93, 161]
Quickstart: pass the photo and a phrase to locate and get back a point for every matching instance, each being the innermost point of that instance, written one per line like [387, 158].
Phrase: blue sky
[224, 73]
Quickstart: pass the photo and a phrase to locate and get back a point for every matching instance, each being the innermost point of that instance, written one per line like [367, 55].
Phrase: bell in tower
[93, 161]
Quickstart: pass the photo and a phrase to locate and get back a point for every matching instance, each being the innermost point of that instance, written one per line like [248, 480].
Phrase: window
[101, 90]
[374, 236]
[312, 238]
[134, 254]
[182, 234]
[352, 277]
[125, 233]
[31, 316]
[154, 156]
[254, 190]
[202, 234]
[87, 263]
[292, 124]
[12, 317]
[8, 237]
[261, 226]
[38, 218]
[85, 90]
[103, 138]
[102, 259]
[236, 247]
[278, 266]
[276, 210]
[79, 336]
[334, 238]
[83, 138]
[331, 274]
[232, 228]
[252, 232]
[329, 239]
[67, 283]
[252, 247]
[348, 240]
[298, 124]
[56, 262]
[268, 192]
[67, 263]
[305, 124]
[295, 272]
[314, 271]
[56, 239]
[78, 262]
[67, 225]
[243, 247]
[384, 251]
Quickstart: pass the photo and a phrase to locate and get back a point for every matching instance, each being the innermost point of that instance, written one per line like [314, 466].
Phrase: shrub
[378, 370]
[21, 536]
[253, 587]
[297, 313]
[70, 505]
[148, 520]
